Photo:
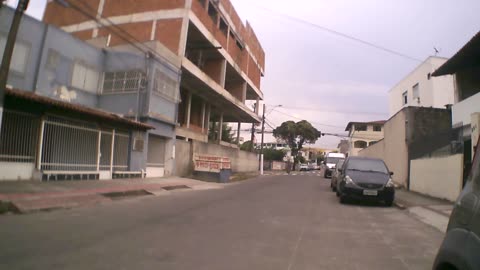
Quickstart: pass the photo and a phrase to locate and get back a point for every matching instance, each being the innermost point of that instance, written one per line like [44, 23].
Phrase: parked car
[336, 174]
[330, 161]
[303, 167]
[365, 178]
[461, 246]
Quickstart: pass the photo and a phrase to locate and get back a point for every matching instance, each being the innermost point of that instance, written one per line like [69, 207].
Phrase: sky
[341, 79]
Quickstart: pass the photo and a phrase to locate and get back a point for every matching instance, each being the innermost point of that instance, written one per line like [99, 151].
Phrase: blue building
[74, 110]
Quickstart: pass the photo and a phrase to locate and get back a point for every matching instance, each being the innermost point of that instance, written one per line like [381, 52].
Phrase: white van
[331, 160]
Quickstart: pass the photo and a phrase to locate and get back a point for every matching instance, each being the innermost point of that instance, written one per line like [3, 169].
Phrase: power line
[316, 123]
[337, 33]
[331, 111]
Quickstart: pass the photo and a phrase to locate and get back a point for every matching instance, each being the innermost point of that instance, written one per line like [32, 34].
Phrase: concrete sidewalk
[30, 196]
[432, 211]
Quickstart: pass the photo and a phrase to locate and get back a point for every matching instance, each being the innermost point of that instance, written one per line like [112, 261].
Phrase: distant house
[465, 66]
[343, 146]
[363, 134]
[420, 89]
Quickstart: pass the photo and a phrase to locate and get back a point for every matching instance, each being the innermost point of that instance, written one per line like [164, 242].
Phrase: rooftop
[468, 56]
[17, 95]
[379, 122]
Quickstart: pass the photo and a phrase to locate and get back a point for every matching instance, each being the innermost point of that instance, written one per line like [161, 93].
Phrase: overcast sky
[344, 80]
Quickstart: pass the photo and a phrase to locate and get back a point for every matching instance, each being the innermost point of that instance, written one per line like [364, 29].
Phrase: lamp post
[7, 53]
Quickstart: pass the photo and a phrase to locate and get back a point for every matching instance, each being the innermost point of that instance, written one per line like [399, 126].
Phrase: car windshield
[367, 165]
[333, 160]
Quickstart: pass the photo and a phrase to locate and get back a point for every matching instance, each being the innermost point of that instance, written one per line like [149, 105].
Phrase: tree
[227, 133]
[272, 154]
[247, 146]
[296, 135]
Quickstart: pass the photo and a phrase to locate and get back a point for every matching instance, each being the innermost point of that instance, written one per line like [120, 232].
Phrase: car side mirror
[391, 173]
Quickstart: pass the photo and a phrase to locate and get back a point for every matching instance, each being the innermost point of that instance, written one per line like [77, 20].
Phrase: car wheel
[343, 199]
[389, 202]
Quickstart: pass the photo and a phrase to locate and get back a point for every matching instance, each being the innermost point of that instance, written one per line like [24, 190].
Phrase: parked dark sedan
[460, 249]
[365, 178]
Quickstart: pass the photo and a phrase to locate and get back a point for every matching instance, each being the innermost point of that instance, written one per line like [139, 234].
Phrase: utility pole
[7, 54]
[261, 144]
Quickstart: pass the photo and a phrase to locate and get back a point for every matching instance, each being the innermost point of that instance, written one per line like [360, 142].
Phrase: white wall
[16, 171]
[462, 111]
[393, 149]
[434, 92]
[439, 177]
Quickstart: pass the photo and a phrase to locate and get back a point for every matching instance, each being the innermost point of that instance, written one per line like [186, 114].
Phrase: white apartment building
[421, 89]
[363, 134]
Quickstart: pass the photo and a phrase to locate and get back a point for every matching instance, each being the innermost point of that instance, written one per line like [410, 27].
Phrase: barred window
[123, 81]
[165, 86]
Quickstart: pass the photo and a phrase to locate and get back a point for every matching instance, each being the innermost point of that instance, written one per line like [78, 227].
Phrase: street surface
[272, 222]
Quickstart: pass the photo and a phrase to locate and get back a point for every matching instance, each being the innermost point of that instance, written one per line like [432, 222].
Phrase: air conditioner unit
[138, 144]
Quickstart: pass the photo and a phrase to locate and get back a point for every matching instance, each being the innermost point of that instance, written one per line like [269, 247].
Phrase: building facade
[221, 60]
[55, 67]
[465, 66]
[412, 133]
[421, 89]
[363, 134]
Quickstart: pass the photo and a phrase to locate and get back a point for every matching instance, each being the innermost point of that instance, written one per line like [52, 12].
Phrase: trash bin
[225, 175]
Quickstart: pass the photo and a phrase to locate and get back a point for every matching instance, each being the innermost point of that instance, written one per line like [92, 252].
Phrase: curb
[399, 205]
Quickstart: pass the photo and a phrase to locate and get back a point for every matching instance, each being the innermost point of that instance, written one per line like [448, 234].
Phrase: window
[372, 143]
[223, 27]
[53, 59]
[377, 128]
[18, 63]
[360, 127]
[405, 98]
[416, 92]
[123, 82]
[360, 144]
[165, 86]
[212, 12]
[85, 78]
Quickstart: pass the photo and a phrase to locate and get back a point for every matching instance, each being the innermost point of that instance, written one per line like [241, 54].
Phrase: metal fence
[76, 146]
[19, 137]
[123, 82]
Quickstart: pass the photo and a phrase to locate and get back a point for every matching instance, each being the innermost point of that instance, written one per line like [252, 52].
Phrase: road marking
[300, 236]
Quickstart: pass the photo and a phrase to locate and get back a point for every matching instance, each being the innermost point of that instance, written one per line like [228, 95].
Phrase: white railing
[18, 137]
[76, 146]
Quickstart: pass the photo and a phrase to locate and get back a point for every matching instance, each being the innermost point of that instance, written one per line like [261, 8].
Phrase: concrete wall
[434, 91]
[16, 171]
[242, 161]
[183, 160]
[438, 177]
[392, 149]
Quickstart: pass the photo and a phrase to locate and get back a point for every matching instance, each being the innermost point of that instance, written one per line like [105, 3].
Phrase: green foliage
[296, 135]
[247, 146]
[271, 154]
[299, 159]
[227, 133]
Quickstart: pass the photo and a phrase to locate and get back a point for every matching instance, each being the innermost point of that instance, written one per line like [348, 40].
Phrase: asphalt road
[273, 222]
